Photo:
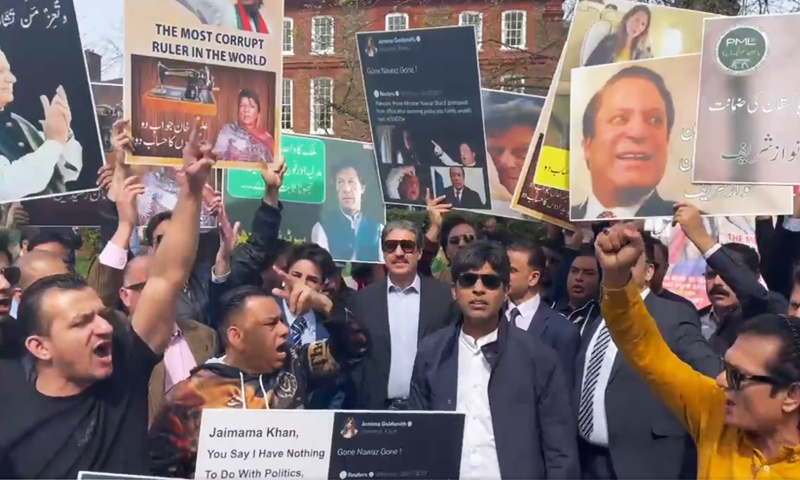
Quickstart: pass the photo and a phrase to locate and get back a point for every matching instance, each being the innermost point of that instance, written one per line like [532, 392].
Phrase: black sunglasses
[136, 287]
[12, 274]
[408, 246]
[490, 281]
[735, 377]
[456, 239]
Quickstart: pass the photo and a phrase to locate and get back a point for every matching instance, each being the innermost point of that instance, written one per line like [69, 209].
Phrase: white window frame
[316, 48]
[462, 20]
[393, 15]
[505, 32]
[315, 129]
[287, 82]
[508, 79]
[288, 41]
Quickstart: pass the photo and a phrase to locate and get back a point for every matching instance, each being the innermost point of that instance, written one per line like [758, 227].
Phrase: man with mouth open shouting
[626, 128]
[78, 400]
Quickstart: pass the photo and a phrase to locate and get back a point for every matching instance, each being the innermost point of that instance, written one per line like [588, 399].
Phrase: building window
[476, 20]
[286, 105]
[512, 83]
[514, 28]
[322, 106]
[288, 36]
[396, 21]
[322, 35]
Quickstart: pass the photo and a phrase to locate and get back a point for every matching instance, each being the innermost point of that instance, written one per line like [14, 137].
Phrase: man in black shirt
[78, 399]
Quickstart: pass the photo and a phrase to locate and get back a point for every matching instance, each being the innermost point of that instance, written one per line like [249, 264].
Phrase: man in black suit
[626, 129]
[658, 256]
[625, 430]
[514, 428]
[397, 313]
[526, 310]
[457, 194]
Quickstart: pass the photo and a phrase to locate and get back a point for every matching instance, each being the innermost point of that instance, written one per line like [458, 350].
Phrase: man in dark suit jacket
[397, 312]
[658, 255]
[508, 381]
[457, 194]
[527, 311]
[635, 435]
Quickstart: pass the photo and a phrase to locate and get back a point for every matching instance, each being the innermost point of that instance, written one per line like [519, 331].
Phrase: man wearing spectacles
[397, 312]
[745, 423]
[513, 428]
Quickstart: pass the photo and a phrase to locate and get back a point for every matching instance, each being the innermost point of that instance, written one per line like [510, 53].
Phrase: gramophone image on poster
[184, 63]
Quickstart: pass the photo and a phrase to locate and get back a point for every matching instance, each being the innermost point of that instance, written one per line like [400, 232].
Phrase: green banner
[304, 181]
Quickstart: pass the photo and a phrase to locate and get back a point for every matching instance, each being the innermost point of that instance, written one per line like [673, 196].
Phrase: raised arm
[691, 396]
[154, 320]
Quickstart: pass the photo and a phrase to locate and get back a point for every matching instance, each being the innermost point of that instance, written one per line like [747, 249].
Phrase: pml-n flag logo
[742, 49]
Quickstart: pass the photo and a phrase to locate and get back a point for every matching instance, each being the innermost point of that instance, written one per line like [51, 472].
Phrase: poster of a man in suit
[458, 193]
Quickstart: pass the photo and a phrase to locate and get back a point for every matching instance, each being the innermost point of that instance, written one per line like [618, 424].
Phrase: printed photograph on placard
[330, 194]
[108, 108]
[217, 60]
[423, 112]
[632, 146]
[748, 120]
[602, 32]
[50, 141]
[463, 188]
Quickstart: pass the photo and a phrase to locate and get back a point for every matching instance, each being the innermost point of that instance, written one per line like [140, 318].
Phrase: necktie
[298, 327]
[607, 214]
[585, 416]
[513, 315]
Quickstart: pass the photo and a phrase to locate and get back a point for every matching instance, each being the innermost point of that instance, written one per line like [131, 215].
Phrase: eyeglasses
[490, 281]
[408, 246]
[136, 287]
[735, 377]
[12, 274]
[456, 239]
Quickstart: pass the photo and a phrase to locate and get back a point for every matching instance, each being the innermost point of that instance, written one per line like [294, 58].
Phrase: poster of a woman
[629, 41]
[246, 140]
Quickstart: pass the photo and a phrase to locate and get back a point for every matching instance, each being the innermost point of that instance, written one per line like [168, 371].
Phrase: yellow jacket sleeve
[694, 398]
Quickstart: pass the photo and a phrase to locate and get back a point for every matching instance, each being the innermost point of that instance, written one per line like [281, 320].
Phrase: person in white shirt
[244, 15]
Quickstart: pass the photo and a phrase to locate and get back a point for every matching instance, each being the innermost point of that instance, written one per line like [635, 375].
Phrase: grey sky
[101, 25]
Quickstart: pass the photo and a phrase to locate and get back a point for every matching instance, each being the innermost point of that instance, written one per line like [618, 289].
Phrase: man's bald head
[137, 270]
[38, 264]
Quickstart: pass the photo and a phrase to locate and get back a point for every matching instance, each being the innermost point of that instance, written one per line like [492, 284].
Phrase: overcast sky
[100, 22]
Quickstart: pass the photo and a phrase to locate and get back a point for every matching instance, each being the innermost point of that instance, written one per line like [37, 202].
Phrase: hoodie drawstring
[244, 392]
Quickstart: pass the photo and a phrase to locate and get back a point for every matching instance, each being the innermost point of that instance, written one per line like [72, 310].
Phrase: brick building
[519, 42]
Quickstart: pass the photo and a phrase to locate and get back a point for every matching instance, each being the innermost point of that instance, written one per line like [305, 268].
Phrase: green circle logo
[742, 49]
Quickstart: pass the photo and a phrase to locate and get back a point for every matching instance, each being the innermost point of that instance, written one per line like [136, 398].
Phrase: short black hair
[450, 222]
[51, 236]
[649, 248]
[344, 166]
[30, 305]
[153, 223]
[252, 95]
[744, 254]
[587, 250]
[785, 368]
[523, 111]
[590, 113]
[232, 302]
[316, 255]
[477, 254]
[536, 259]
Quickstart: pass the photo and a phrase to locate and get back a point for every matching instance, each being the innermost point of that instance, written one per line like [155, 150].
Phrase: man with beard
[244, 15]
[347, 233]
[246, 140]
[260, 369]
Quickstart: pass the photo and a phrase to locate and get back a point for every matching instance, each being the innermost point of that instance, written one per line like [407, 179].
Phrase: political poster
[49, 137]
[426, 115]
[330, 194]
[329, 444]
[216, 60]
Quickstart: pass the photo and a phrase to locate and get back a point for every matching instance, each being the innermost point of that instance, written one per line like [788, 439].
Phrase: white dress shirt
[527, 310]
[31, 173]
[310, 333]
[403, 307]
[594, 208]
[599, 435]
[479, 451]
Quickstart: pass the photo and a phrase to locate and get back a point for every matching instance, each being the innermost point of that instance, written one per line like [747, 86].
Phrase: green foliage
[531, 230]
[92, 241]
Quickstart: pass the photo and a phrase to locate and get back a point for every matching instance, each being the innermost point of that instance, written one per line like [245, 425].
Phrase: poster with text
[329, 444]
[330, 194]
[632, 138]
[601, 32]
[748, 119]
[49, 137]
[217, 60]
[423, 93]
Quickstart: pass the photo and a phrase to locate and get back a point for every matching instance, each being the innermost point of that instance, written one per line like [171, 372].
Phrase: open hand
[228, 235]
[129, 193]
[57, 116]
[299, 296]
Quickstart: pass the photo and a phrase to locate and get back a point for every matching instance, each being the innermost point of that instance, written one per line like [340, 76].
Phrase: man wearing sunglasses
[745, 422]
[514, 428]
[398, 312]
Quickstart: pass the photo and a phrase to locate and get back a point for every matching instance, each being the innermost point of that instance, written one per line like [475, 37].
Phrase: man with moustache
[347, 233]
[33, 161]
[244, 15]
[626, 129]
